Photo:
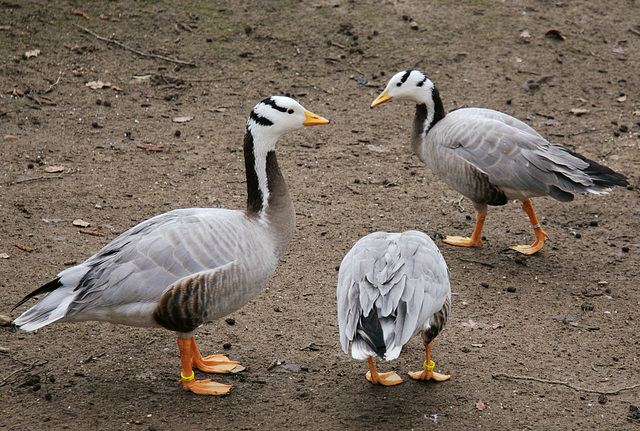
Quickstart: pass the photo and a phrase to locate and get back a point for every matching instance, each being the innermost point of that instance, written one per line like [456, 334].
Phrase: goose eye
[398, 84]
[290, 111]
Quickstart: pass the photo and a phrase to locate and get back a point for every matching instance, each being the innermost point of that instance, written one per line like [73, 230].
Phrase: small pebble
[485, 285]
[230, 321]
[511, 289]
[226, 346]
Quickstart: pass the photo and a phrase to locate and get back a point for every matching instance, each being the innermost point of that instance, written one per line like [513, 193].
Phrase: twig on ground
[569, 385]
[26, 368]
[54, 84]
[135, 51]
[91, 232]
[354, 191]
[59, 177]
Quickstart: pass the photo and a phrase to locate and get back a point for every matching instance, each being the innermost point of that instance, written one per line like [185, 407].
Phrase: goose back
[400, 278]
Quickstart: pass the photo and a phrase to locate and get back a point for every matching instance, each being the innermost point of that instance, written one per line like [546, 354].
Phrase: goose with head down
[391, 287]
[183, 268]
[492, 158]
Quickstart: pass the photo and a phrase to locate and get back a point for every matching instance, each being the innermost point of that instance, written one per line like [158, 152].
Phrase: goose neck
[267, 194]
[429, 110]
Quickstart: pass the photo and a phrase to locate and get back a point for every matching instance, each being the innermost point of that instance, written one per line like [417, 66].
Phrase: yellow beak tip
[383, 97]
[313, 119]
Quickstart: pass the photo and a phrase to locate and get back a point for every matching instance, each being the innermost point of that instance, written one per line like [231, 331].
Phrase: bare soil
[114, 157]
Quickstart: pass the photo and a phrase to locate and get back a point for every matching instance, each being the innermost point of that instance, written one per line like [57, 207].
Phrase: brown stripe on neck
[275, 181]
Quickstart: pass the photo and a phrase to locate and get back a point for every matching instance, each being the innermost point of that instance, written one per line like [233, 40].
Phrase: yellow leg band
[430, 366]
[188, 379]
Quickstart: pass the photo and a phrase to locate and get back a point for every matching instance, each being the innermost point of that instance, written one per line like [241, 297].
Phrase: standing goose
[492, 158]
[391, 287]
[183, 268]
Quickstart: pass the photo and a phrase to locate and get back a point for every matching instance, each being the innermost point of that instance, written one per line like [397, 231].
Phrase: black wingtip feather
[370, 330]
[49, 287]
[602, 175]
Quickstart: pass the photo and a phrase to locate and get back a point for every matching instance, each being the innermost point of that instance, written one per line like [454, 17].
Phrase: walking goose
[391, 287]
[185, 267]
[492, 158]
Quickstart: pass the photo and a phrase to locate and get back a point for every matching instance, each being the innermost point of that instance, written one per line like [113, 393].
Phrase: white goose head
[414, 85]
[277, 115]
[270, 119]
[407, 85]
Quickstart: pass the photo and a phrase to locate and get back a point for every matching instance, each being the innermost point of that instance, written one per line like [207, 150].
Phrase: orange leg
[386, 379]
[476, 236]
[541, 236]
[428, 372]
[190, 358]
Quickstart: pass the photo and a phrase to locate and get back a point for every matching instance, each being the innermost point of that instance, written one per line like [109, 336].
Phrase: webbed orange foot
[204, 387]
[216, 364]
[386, 379]
[463, 241]
[476, 236]
[541, 237]
[428, 375]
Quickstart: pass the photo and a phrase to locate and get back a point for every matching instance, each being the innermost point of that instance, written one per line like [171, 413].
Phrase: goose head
[270, 119]
[277, 115]
[410, 85]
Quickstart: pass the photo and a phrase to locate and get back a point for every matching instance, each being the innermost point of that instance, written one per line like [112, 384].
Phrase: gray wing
[403, 276]
[142, 262]
[514, 156]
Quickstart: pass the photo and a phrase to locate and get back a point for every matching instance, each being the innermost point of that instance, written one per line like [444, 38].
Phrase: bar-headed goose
[183, 268]
[392, 286]
[491, 157]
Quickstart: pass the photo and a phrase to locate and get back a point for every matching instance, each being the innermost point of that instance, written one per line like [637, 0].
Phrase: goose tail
[369, 339]
[603, 177]
[51, 308]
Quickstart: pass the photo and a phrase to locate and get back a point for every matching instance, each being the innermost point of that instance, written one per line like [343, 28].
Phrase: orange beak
[313, 119]
[383, 97]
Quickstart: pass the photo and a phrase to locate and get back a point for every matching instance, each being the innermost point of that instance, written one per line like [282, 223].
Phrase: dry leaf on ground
[81, 223]
[184, 119]
[53, 168]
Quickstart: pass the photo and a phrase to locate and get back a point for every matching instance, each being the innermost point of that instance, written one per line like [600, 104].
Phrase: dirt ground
[115, 156]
